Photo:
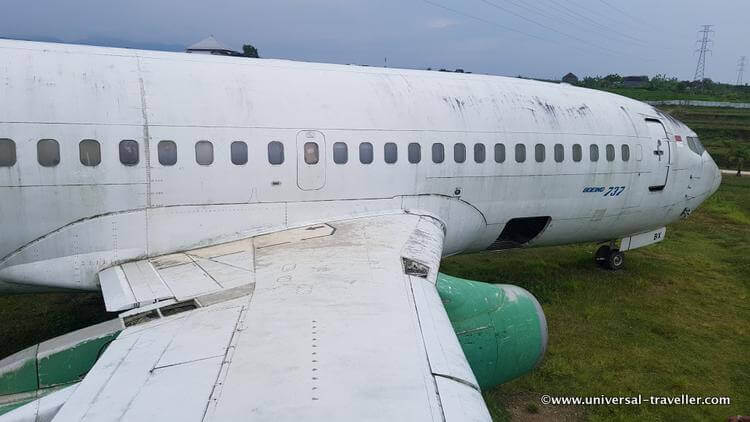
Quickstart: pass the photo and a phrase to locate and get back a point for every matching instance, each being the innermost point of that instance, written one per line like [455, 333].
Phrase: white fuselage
[60, 224]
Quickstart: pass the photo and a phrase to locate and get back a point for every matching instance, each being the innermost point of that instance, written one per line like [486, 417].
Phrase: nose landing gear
[610, 258]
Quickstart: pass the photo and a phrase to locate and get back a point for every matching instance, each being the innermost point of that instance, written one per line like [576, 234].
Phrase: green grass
[675, 321]
[643, 94]
[715, 126]
[30, 319]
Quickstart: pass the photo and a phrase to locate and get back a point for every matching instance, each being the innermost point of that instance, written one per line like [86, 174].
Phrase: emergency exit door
[311, 160]
[659, 153]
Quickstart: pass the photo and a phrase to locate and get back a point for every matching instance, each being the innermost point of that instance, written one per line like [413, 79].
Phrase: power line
[622, 12]
[581, 40]
[489, 22]
[740, 69]
[558, 18]
[705, 43]
[575, 14]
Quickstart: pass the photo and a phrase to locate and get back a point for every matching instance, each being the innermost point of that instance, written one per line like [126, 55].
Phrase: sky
[539, 38]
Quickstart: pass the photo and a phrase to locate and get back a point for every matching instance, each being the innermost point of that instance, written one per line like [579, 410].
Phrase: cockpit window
[695, 145]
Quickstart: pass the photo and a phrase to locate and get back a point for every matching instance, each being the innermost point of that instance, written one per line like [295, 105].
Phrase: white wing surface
[337, 321]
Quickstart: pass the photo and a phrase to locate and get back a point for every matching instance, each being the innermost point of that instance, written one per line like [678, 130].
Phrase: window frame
[625, 152]
[13, 156]
[311, 153]
[558, 151]
[609, 152]
[275, 157]
[129, 163]
[53, 163]
[369, 149]
[159, 157]
[211, 149]
[243, 153]
[88, 163]
[336, 151]
[441, 149]
[416, 149]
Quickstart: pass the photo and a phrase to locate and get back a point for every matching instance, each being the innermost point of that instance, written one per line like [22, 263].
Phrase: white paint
[643, 239]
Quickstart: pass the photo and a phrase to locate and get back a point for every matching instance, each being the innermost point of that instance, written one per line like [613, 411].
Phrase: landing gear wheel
[616, 260]
[602, 255]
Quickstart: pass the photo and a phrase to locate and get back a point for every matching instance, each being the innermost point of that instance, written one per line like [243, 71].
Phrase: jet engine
[501, 328]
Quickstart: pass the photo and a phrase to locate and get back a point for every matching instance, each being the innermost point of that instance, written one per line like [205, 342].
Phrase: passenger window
[311, 153]
[238, 153]
[438, 153]
[415, 153]
[204, 153]
[499, 153]
[559, 153]
[365, 153]
[520, 153]
[610, 152]
[390, 151]
[539, 153]
[129, 155]
[594, 152]
[625, 152]
[48, 152]
[7, 153]
[577, 153]
[167, 153]
[340, 153]
[275, 152]
[90, 152]
[479, 153]
[459, 153]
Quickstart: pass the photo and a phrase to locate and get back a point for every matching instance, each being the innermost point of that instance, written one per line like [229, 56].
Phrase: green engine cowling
[501, 328]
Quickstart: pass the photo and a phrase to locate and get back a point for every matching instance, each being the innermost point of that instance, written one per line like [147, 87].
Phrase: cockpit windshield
[695, 145]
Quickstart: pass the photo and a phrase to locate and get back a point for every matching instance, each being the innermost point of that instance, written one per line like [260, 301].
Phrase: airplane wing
[337, 321]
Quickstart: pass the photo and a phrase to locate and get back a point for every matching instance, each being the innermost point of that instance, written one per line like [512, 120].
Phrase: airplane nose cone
[713, 173]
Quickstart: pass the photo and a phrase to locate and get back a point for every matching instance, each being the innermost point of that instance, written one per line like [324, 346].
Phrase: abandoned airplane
[270, 231]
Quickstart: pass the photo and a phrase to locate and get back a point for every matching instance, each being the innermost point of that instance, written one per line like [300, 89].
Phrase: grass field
[675, 321]
[715, 127]
[658, 95]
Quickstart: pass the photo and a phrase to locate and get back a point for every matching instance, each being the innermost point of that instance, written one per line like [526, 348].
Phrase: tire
[616, 260]
[602, 255]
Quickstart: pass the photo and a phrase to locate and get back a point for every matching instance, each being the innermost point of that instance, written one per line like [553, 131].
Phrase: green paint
[7, 407]
[500, 327]
[36, 370]
[22, 373]
[72, 364]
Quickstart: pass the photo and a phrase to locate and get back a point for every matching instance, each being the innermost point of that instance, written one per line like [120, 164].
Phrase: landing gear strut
[609, 257]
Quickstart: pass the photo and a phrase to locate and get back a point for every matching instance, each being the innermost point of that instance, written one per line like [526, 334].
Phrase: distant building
[635, 81]
[570, 78]
[211, 46]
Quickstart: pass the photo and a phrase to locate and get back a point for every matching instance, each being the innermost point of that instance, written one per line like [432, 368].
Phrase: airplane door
[311, 160]
[659, 151]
